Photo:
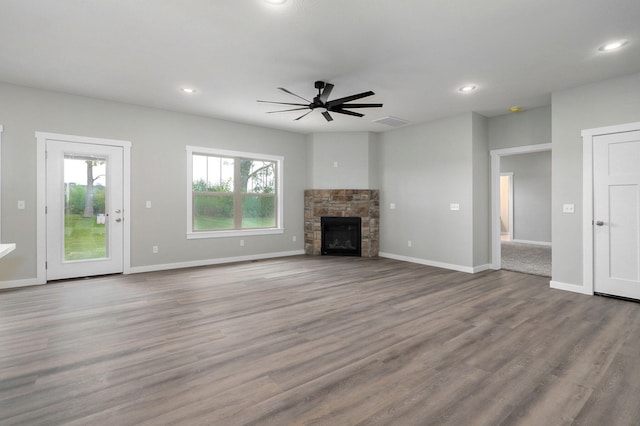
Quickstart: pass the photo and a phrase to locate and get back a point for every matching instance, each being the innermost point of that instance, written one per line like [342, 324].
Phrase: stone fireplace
[362, 203]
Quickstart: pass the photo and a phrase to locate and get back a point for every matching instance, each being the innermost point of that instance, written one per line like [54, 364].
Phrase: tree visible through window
[233, 192]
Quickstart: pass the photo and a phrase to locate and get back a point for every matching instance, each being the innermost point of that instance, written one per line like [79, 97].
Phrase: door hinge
[46, 265]
[46, 210]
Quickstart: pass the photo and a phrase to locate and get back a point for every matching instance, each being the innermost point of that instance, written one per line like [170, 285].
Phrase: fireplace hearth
[341, 236]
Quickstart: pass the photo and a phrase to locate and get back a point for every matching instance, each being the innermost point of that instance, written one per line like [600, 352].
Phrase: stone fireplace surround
[363, 203]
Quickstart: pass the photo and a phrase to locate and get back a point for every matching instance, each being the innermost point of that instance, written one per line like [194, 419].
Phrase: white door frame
[41, 201]
[496, 154]
[587, 196]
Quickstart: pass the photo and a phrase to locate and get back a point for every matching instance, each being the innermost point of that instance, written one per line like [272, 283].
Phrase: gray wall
[481, 191]
[355, 155]
[606, 103]
[531, 195]
[158, 173]
[423, 169]
[524, 128]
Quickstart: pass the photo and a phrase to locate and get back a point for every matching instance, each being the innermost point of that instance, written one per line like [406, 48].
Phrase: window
[232, 193]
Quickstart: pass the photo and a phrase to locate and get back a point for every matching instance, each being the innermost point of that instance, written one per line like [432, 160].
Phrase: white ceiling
[414, 54]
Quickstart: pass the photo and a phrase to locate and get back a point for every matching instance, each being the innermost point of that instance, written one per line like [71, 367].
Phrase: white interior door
[85, 210]
[616, 185]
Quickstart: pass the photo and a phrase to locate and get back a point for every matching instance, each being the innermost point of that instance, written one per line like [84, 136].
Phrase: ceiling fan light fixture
[467, 88]
[613, 45]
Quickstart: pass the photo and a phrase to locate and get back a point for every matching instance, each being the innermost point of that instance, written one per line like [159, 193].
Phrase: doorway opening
[506, 206]
[497, 225]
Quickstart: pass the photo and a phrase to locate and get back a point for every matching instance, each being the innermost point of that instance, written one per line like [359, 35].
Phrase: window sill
[233, 233]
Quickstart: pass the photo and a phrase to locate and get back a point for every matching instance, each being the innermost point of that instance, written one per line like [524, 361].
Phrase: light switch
[148, 204]
[21, 204]
[335, 164]
[568, 208]
[454, 206]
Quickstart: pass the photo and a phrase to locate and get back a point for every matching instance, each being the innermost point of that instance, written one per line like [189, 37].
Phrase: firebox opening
[341, 236]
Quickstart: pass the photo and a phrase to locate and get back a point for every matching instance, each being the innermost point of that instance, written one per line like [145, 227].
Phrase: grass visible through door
[84, 238]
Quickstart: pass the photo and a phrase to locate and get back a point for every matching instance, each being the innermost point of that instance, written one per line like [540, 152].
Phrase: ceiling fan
[322, 101]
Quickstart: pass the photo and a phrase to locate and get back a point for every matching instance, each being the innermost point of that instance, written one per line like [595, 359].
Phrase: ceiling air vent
[391, 121]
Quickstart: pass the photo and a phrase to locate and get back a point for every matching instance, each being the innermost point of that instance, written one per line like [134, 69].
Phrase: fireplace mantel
[363, 203]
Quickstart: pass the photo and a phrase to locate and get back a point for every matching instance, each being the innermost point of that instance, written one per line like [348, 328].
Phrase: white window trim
[279, 229]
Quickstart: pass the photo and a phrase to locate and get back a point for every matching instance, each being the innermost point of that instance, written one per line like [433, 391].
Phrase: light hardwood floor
[317, 340]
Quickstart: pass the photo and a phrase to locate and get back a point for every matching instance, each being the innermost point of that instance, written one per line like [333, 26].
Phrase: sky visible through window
[75, 171]
[213, 170]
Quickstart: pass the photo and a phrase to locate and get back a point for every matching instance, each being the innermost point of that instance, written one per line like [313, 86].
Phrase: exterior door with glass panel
[85, 215]
[616, 201]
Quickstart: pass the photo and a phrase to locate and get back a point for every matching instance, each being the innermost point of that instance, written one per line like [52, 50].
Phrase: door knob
[118, 220]
[599, 223]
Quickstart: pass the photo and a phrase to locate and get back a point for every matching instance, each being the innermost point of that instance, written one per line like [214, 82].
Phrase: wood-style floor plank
[317, 340]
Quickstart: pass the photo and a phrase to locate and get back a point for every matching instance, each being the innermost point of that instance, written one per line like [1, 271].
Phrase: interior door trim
[41, 200]
[588, 136]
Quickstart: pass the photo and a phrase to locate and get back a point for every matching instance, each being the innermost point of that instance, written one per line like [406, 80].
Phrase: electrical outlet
[294, 238]
[154, 249]
[241, 243]
[409, 243]
[568, 208]
[392, 206]
[148, 204]
[21, 204]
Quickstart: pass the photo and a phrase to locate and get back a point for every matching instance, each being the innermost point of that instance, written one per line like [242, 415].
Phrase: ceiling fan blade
[338, 102]
[344, 111]
[287, 110]
[303, 115]
[326, 92]
[282, 103]
[293, 94]
[360, 105]
[327, 116]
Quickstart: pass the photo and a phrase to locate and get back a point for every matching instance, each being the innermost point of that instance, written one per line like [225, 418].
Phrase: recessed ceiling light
[611, 46]
[467, 88]
[275, 1]
[189, 90]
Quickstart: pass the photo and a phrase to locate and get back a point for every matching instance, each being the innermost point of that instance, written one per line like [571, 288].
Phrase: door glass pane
[85, 224]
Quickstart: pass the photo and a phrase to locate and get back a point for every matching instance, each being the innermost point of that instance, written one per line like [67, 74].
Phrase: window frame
[236, 155]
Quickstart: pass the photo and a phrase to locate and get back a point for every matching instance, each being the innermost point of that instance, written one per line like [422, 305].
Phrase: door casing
[41, 219]
[588, 136]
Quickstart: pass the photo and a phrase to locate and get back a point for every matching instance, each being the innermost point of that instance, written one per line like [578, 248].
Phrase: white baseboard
[537, 243]
[569, 287]
[167, 266]
[460, 268]
[208, 262]
[481, 268]
[19, 283]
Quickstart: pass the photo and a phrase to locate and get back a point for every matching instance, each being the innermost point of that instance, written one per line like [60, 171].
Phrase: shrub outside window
[232, 193]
